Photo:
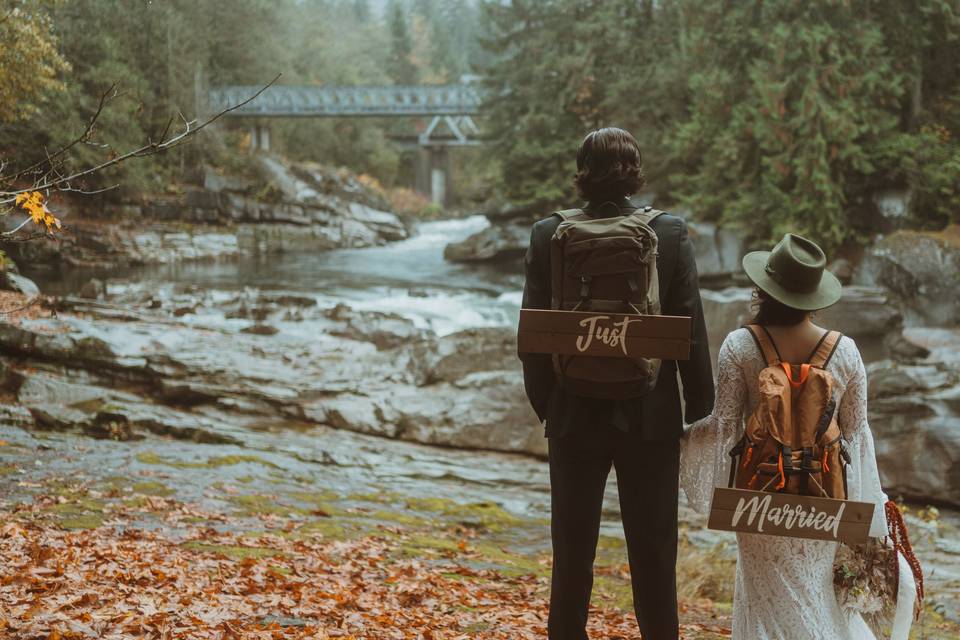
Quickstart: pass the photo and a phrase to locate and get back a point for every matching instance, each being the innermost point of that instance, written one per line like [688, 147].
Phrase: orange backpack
[792, 442]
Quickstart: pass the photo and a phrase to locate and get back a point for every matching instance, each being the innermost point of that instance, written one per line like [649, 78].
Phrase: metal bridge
[451, 109]
[294, 101]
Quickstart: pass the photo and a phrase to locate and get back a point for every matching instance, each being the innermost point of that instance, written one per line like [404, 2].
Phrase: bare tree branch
[81, 138]
[151, 148]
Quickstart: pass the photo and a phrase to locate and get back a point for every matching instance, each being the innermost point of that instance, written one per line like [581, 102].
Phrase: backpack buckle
[584, 287]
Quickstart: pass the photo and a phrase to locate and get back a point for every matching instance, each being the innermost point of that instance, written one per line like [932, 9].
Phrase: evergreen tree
[539, 103]
[402, 69]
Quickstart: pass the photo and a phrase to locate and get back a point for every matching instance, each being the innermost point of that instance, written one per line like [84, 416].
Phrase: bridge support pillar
[433, 173]
[259, 137]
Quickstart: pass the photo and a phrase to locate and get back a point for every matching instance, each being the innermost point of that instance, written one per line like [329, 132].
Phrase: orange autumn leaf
[33, 203]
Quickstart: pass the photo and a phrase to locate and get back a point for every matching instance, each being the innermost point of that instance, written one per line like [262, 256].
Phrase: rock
[841, 268]
[261, 330]
[203, 199]
[16, 415]
[717, 250]
[889, 380]
[866, 315]
[93, 289]
[914, 413]
[56, 417]
[290, 300]
[110, 425]
[21, 284]
[495, 416]
[10, 379]
[498, 210]
[919, 459]
[385, 224]
[39, 389]
[453, 357]
[358, 413]
[900, 347]
[863, 313]
[54, 340]
[384, 330]
[921, 270]
[724, 311]
[502, 241]
[180, 432]
[213, 181]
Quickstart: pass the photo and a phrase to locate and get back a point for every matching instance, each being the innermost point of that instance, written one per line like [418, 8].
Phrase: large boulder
[867, 315]
[914, 413]
[502, 241]
[13, 281]
[486, 410]
[922, 270]
[457, 355]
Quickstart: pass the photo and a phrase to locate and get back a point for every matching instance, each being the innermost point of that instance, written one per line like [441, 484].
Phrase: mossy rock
[484, 515]
[148, 457]
[234, 552]
[257, 504]
[86, 521]
[153, 488]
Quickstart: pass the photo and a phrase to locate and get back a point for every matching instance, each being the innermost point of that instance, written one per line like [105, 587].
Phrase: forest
[766, 115]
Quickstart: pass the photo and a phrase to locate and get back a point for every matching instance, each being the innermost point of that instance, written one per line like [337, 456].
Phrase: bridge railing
[418, 100]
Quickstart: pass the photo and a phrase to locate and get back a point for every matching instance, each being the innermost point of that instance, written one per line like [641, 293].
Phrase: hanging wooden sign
[612, 335]
[784, 514]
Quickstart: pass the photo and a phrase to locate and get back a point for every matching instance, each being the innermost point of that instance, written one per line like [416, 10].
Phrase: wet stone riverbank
[301, 393]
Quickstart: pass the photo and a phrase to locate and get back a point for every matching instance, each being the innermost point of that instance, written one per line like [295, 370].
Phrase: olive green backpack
[605, 265]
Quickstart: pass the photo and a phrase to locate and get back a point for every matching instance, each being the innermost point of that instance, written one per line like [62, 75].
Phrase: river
[409, 277]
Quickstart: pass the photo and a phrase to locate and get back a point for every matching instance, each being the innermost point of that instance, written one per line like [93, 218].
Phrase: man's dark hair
[772, 313]
[609, 166]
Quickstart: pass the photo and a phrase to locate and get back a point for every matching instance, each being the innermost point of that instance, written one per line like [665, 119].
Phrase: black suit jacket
[657, 415]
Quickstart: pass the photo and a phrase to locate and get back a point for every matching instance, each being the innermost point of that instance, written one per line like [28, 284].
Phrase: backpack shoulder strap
[570, 214]
[647, 214]
[768, 349]
[825, 349]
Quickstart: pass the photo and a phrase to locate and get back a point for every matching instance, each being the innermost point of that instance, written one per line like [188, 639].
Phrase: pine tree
[402, 69]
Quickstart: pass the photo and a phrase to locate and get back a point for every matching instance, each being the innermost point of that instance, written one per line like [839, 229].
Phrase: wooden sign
[611, 335]
[784, 514]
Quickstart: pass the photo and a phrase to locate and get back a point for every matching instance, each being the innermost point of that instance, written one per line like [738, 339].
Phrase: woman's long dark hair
[771, 313]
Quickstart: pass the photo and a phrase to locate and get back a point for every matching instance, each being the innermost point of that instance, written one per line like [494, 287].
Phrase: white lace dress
[784, 586]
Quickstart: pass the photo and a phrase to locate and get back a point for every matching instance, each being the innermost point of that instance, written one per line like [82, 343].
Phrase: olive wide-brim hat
[794, 273]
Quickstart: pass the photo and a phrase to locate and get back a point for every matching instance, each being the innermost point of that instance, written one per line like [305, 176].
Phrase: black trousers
[647, 478]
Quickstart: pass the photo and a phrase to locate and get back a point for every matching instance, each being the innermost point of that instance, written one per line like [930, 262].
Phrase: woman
[784, 586]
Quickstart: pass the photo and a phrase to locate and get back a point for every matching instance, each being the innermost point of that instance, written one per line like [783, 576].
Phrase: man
[638, 436]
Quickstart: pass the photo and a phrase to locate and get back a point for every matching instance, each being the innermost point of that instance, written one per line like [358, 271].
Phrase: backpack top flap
[795, 401]
[584, 246]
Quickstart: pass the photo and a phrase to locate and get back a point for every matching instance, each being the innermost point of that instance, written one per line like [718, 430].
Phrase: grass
[153, 488]
[231, 551]
[147, 457]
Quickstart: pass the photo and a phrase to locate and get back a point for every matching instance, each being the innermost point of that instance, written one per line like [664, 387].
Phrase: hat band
[779, 279]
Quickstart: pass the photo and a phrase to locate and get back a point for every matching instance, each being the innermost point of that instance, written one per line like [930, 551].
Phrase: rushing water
[410, 278]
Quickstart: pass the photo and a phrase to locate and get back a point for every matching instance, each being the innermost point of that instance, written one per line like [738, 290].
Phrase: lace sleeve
[704, 459]
[863, 478]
